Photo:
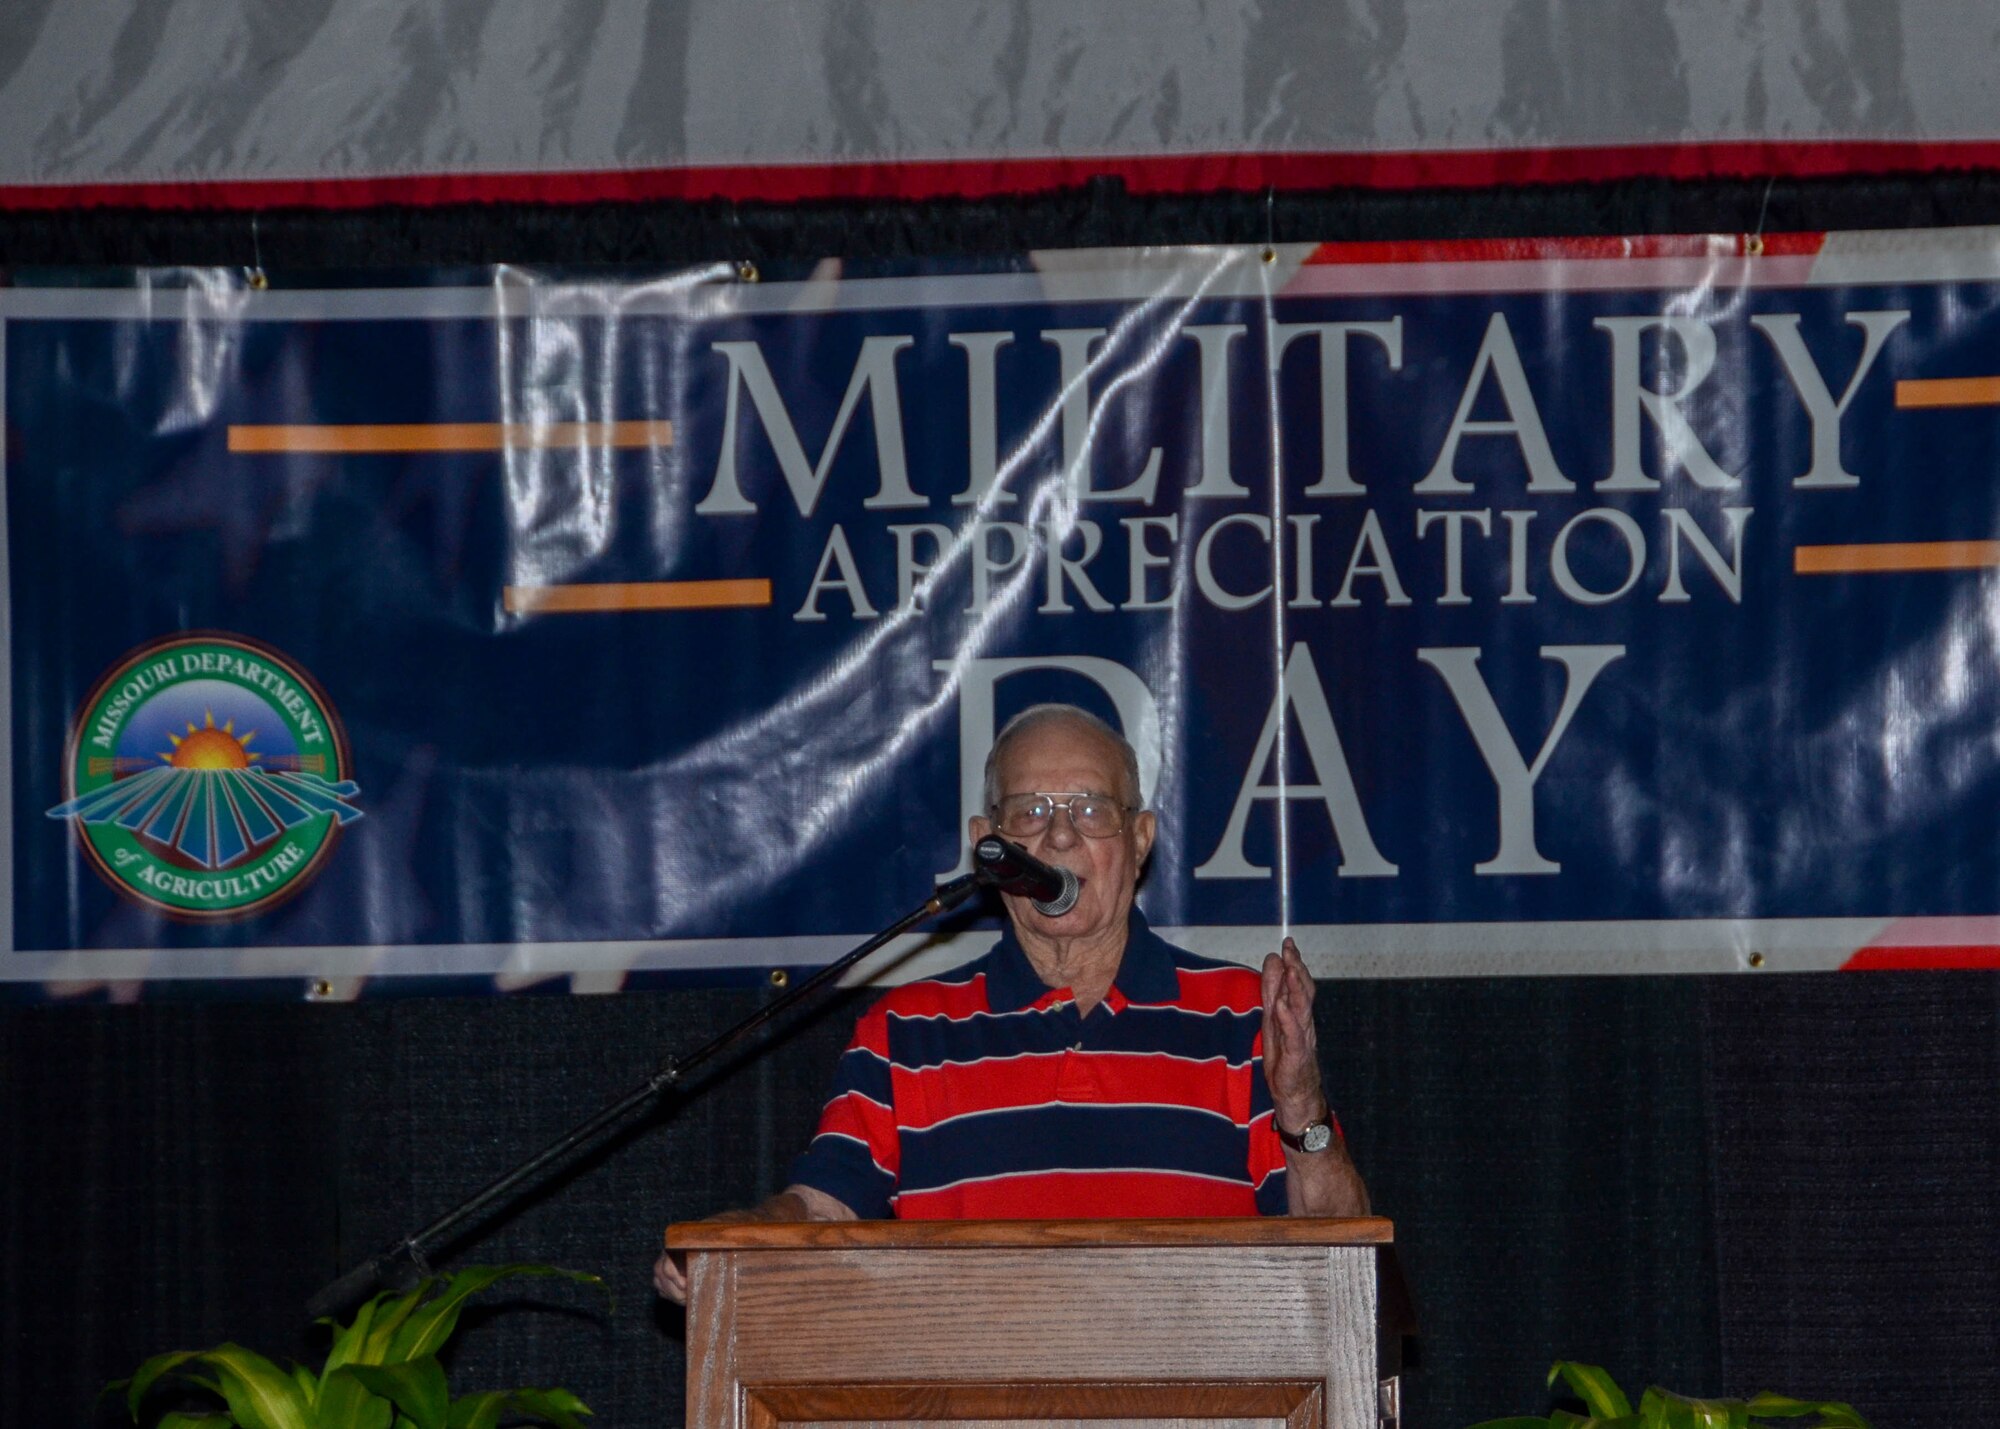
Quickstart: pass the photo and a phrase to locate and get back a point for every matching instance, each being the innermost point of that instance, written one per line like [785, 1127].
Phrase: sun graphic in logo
[211, 748]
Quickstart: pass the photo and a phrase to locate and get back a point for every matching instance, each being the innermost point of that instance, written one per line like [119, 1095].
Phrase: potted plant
[381, 1372]
[1662, 1409]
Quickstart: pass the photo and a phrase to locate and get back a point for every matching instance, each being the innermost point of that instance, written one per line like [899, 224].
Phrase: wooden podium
[1170, 1324]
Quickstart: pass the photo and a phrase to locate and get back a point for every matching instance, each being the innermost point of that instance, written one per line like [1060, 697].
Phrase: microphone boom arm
[365, 1279]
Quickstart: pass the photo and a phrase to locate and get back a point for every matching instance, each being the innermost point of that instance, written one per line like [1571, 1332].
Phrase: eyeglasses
[1095, 816]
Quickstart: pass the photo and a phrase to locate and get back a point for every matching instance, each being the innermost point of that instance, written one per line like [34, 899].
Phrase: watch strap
[1315, 1135]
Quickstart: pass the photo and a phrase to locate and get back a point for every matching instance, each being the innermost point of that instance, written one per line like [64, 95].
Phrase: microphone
[1012, 869]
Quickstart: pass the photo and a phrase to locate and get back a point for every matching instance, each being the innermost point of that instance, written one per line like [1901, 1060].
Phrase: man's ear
[1144, 828]
[977, 827]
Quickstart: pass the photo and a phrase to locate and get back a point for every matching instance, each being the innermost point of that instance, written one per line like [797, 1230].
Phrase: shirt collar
[1145, 973]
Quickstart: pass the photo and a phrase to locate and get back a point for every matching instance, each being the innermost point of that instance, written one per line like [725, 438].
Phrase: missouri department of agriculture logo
[207, 776]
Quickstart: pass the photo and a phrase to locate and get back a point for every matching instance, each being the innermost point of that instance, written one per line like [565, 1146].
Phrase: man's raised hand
[1291, 1044]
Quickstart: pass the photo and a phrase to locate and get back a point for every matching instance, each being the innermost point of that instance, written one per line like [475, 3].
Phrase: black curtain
[1855, 1138]
[1720, 1184]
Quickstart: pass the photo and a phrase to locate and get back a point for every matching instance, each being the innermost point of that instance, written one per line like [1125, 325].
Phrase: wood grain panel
[963, 1403]
[1065, 1330]
[1053, 1423]
[1248, 1231]
[1210, 1312]
[712, 1400]
[1351, 1351]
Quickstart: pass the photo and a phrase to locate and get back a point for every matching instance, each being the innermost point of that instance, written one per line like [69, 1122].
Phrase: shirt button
[1076, 1047]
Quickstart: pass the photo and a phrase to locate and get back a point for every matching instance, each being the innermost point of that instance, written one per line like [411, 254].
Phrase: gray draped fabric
[191, 90]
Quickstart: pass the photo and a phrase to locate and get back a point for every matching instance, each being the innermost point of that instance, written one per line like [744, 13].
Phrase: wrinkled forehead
[1061, 757]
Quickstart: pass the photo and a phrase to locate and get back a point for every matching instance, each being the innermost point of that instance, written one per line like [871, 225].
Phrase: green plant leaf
[1780, 1406]
[478, 1410]
[381, 1371]
[487, 1408]
[1598, 1390]
[1832, 1413]
[147, 1375]
[348, 1338]
[346, 1403]
[417, 1389]
[426, 1331]
[1663, 1409]
[259, 1394]
[393, 1314]
[558, 1406]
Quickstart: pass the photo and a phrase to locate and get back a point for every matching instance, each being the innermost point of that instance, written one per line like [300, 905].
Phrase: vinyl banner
[1588, 607]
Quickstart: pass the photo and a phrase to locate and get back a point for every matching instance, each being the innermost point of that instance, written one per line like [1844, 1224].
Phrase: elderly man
[1084, 1067]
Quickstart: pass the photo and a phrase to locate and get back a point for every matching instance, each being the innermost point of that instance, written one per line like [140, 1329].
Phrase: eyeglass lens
[1023, 815]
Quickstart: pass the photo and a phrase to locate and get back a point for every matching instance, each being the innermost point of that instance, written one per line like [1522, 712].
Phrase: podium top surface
[971, 1235]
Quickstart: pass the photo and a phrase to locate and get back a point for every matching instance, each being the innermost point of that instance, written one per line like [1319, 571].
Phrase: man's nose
[1062, 829]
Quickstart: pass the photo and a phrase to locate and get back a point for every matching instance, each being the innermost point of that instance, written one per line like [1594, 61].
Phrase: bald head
[1040, 717]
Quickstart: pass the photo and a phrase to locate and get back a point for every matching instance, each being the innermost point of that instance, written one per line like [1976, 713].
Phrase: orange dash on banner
[1903, 556]
[1949, 392]
[635, 595]
[1889, 556]
[363, 438]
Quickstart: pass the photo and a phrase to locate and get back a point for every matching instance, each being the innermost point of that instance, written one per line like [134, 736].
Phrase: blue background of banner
[1824, 748]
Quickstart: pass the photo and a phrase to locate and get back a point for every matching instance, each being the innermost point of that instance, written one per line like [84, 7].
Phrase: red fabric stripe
[925, 1098]
[980, 178]
[1884, 959]
[1793, 245]
[1230, 989]
[954, 1000]
[1092, 1195]
[1516, 250]
[1267, 1153]
[861, 1119]
[871, 1031]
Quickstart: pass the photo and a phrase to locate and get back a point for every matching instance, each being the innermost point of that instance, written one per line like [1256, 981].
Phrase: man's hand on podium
[794, 1203]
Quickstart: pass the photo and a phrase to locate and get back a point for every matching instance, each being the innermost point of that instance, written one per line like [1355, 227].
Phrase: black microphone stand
[363, 1281]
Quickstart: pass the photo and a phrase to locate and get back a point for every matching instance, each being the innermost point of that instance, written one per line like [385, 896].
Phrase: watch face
[1316, 1137]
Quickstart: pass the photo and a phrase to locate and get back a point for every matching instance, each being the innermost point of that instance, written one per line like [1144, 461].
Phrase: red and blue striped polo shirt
[983, 1094]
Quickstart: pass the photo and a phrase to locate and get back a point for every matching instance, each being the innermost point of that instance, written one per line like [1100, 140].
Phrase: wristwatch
[1315, 1135]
